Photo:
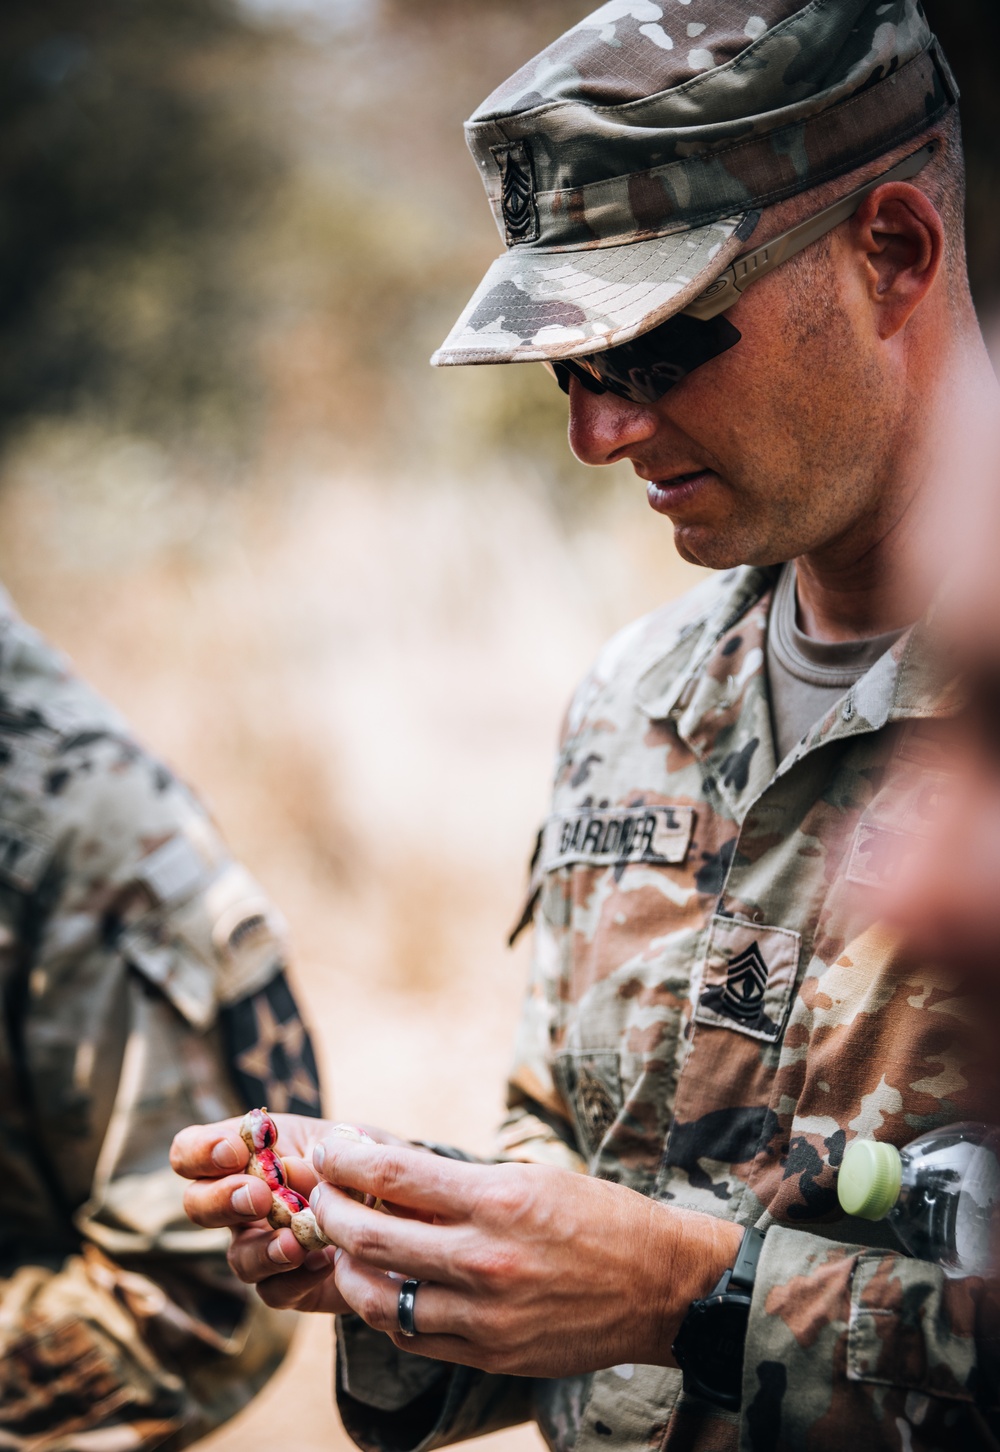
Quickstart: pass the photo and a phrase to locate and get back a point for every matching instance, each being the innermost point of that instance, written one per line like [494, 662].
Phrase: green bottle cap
[869, 1179]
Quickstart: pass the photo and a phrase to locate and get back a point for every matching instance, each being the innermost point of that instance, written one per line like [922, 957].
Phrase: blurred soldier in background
[144, 984]
[713, 1015]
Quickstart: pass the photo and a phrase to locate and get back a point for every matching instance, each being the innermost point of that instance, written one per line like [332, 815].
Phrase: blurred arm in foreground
[944, 898]
[143, 986]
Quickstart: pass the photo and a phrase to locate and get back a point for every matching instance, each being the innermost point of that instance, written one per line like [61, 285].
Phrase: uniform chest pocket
[619, 921]
[617, 910]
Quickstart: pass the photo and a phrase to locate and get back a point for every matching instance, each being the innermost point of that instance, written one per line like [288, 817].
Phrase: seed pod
[289, 1210]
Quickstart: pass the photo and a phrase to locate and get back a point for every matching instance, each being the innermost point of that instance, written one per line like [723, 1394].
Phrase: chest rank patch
[517, 192]
[616, 836]
[748, 977]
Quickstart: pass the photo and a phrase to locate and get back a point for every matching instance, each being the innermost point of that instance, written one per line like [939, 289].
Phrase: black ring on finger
[404, 1308]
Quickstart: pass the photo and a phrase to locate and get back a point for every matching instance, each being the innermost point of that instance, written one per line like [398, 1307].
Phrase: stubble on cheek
[803, 457]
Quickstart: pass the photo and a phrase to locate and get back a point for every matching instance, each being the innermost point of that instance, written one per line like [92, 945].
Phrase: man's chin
[702, 547]
[715, 549]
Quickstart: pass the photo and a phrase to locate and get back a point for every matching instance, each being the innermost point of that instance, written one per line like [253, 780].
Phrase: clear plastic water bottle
[940, 1194]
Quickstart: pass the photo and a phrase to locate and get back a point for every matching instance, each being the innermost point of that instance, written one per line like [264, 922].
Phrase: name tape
[611, 835]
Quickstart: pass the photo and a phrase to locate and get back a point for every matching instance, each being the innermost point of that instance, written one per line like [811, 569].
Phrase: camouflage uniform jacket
[711, 1019]
[143, 990]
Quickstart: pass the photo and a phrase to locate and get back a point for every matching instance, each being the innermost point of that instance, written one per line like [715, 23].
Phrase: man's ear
[900, 234]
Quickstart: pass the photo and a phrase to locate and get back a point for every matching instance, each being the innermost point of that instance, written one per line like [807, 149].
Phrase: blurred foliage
[132, 162]
[214, 229]
[969, 31]
[248, 225]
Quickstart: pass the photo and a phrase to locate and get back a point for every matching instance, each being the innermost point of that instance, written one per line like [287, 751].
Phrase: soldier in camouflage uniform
[143, 985]
[714, 1011]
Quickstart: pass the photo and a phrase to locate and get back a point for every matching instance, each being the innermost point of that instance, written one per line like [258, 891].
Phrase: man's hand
[524, 1269]
[213, 1156]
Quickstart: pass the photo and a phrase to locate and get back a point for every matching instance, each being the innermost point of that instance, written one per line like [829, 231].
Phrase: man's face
[780, 446]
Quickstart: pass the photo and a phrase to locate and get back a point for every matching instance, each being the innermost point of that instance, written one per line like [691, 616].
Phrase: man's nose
[604, 428]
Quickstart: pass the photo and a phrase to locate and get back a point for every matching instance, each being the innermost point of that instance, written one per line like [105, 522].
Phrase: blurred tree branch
[131, 160]
[211, 227]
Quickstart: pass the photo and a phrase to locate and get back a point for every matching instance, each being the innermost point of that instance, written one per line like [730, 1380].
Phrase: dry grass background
[364, 676]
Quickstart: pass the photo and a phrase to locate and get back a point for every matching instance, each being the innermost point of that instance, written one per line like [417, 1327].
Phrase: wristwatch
[709, 1345]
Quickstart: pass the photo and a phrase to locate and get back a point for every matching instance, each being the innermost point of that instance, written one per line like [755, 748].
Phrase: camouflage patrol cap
[627, 163]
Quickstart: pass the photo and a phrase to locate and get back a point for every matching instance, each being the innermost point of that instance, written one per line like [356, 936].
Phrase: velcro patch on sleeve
[612, 836]
[748, 977]
[878, 854]
[271, 1052]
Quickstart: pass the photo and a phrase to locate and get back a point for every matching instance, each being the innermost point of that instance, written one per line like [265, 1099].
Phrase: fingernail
[315, 1197]
[225, 1156]
[242, 1201]
[319, 1157]
[318, 1260]
[275, 1252]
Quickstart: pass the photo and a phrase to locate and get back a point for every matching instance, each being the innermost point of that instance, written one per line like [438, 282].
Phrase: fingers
[303, 1290]
[438, 1313]
[291, 1286]
[231, 1202]
[258, 1253]
[206, 1151]
[375, 1297]
[390, 1243]
[401, 1175]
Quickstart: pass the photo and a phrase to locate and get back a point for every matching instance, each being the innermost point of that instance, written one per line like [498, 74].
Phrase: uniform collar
[715, 691]
[712, 685]
[667, 687]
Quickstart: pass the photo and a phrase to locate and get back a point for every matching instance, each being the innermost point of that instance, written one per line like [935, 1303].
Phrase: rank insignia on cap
[270, 1051]
[517, 192]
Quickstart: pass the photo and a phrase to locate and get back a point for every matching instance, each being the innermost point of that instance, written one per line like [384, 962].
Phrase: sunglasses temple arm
[726, 289]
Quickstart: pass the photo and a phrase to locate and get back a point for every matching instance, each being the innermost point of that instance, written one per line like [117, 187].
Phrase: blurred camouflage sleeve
[144, 989]
[854, 1346]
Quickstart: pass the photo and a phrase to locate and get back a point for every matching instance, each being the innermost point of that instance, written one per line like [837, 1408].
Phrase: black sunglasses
[643, 370]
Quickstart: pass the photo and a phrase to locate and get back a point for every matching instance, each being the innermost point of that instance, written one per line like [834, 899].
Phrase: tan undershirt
[805, 676]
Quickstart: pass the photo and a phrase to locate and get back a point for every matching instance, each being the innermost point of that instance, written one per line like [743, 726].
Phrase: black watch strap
[710, 1343]
[744, 1271]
